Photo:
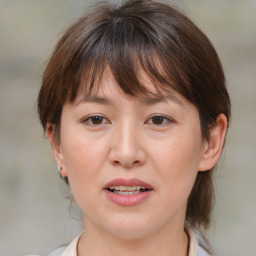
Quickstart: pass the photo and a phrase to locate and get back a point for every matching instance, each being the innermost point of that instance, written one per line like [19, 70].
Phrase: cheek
[176, 162]
[83, 160]
[77, 155]
[80, 150]
[83, 165]
[178, 154]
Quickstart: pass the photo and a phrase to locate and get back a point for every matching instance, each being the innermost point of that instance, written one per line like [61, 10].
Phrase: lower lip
[128, 200]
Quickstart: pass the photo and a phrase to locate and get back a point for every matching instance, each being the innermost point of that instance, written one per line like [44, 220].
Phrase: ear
[212, 148]
[56, 147]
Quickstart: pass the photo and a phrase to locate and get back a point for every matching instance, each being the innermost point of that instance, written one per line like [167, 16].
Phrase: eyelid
[89, 117]
[168, 119]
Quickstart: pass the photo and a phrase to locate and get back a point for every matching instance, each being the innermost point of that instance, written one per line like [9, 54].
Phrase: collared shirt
[195, 247]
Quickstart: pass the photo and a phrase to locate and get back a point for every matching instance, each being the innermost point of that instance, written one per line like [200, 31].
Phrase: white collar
[194, 247]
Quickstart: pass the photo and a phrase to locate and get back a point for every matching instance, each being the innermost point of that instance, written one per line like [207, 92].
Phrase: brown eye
[95, 120]
[158, 119]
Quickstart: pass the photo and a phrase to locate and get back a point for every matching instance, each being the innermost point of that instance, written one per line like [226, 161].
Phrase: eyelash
[89, 120]
[163, 120]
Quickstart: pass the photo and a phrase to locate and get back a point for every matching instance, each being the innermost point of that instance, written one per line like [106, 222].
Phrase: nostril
[116, 162]
[127, 164]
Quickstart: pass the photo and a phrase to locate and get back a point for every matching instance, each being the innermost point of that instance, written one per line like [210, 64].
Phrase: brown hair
[133, 37]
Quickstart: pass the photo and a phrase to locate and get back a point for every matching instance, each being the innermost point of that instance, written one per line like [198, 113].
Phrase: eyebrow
[95, 99]
[145, 100]
[159, 99]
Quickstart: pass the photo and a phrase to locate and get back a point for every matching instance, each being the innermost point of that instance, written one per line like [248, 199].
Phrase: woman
[134, 104]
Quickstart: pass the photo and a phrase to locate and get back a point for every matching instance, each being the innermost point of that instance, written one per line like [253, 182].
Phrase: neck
[169, 242]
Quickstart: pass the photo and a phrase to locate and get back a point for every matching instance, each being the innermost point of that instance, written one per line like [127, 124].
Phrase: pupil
[158, 120]
[97, 119]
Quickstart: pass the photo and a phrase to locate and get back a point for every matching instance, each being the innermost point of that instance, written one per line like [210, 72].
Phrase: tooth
[126, 193]
[114, 188]
[133, 188]
[127, 188]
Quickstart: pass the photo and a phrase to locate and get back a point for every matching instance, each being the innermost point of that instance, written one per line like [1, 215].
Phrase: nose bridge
[127, 137]
[127, 147]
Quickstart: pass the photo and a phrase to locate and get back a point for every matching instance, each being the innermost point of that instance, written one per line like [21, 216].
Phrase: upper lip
[127, 182]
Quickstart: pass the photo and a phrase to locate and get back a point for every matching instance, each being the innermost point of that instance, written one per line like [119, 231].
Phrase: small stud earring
[60, 169]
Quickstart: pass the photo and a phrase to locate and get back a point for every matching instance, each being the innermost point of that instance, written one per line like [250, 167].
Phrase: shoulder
[57, 252]
[201, 251]
[202, 247]
[69, 250]
[197, 245]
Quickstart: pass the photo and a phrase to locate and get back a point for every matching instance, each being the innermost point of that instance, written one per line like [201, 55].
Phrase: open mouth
[127, 190]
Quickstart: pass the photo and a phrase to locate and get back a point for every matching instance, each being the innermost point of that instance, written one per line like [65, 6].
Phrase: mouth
[127, 190]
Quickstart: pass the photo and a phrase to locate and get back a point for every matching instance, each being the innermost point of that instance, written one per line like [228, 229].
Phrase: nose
[127, 148]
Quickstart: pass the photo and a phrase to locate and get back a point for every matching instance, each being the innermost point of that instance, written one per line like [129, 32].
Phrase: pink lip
[128, 182]
[128, 200]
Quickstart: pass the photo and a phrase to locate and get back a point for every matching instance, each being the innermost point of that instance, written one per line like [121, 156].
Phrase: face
[131, 162]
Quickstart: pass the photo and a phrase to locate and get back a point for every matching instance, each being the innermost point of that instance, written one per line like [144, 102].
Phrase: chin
[130, 228]
[131, 234]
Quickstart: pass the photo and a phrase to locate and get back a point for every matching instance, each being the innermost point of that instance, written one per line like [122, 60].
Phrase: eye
[159, 120]
[95, 120]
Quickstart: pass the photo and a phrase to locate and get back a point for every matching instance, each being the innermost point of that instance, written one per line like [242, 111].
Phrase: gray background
[34, 212]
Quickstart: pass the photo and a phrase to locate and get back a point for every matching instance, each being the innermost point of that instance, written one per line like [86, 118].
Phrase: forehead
[136, 73]
[108, 90]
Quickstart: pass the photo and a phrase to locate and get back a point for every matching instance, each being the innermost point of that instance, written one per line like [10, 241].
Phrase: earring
[60, 169]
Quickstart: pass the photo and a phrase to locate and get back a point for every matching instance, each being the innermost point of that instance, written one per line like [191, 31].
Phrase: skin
[127, 140]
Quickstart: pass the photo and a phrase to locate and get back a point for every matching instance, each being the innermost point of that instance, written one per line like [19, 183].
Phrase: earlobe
[212, 148]
[56, 149]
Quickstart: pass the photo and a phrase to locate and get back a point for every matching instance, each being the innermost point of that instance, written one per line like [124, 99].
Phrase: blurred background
[35, 214]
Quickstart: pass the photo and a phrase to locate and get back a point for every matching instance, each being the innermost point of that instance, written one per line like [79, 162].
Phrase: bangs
[131, 53]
